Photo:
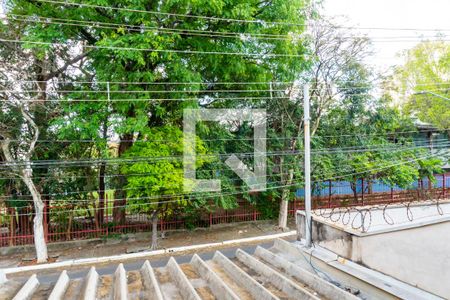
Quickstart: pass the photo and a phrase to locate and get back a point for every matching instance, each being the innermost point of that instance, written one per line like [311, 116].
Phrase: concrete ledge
[26, 292]
[89, 289]
[120, 283]
[281, 282]
[218, 287]
[60, 287]
[3, 278]
[362, 277]
[150, 281]
[314, 282]
[183, 283]
[122, 257]
[245, 280]
[430, 220]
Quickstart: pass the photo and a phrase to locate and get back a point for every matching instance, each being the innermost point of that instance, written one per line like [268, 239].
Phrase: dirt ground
[140, 242]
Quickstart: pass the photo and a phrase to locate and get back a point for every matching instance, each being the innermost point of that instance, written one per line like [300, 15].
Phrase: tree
[139, 30]
[334, 52]
[155, 184]
[423, 75]
[25, 112]
[365, 127]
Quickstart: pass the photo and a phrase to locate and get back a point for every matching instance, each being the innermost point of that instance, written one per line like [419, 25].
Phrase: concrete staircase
[267, 274]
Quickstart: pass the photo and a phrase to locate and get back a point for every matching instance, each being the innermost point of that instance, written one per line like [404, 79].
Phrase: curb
[122, 257]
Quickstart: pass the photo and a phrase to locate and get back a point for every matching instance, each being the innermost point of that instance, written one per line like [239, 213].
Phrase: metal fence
[64, 223]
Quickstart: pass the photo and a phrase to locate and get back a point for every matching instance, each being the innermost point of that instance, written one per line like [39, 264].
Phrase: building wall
[419, 256]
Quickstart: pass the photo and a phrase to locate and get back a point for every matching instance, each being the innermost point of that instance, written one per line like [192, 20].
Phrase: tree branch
[65, 66]
[35, 134]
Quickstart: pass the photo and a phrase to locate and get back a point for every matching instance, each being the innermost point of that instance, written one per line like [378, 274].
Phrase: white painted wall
[416, 252]
[419, 256]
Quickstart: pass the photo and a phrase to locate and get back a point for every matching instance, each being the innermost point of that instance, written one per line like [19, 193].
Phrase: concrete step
[152, 286]
[265, 275]
[219, 288]
[236, 286]
[165, 283]
[313, 283]
[73, 291]
[239, 273]
[60, 287]
[28, 289]
[275, 278]
[105, 287]
[136, 288]
[42, 292]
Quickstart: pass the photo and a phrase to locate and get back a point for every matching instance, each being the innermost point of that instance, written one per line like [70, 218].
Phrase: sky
[413, 14]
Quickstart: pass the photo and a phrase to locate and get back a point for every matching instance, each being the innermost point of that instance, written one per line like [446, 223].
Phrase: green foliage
[155, 170]
[142, 106]
[426, 70]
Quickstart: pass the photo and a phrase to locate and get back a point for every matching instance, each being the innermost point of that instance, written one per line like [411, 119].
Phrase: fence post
[105, 210]
[12, 228]
[392, 194]
[362, 190]
[443, 184]
[254, 213]
[329, 193]
[45, 222]
[418, 190]
[210, 219]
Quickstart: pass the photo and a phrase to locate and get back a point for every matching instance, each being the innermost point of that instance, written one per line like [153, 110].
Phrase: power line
[202, 98]
[141, 28]
[439, 144]
[75, 101]
[198, 91]
[258, 55]
[204, 82]
[178, 158]
[261, 22]
[203, 33]
[229, 139]
[153, 91]
[215, 194]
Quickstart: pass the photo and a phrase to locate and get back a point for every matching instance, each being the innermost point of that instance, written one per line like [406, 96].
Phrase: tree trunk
[120, 195]
[12, 226]
[38, 226]
[283, 215]
[154, 230]
[101, 184]
[101, 194]
[353, 186]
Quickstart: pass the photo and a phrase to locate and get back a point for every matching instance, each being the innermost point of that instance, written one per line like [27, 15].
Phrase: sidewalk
[141, 241]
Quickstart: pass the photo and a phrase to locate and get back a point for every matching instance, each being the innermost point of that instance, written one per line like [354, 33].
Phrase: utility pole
[306, 127]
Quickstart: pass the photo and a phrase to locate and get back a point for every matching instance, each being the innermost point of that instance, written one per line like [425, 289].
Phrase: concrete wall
[419, 256]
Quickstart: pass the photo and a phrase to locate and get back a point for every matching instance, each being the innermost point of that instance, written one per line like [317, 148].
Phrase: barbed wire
[362, 214]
